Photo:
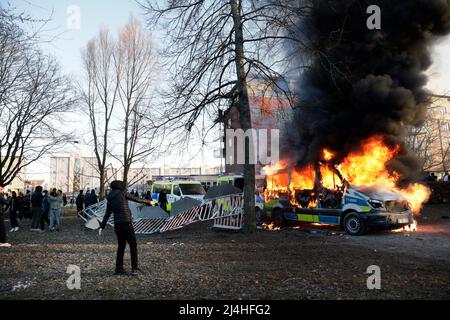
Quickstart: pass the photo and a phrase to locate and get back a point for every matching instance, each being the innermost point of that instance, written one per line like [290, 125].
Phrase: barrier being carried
[225, 211]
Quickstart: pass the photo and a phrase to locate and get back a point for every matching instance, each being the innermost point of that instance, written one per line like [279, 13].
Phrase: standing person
[80, 201]
[20, 202]
[446, 177]
[3, 239]
[27, 213]
[13, 212]
[87, 198]
[45, 211]
[148, 196]
[55, 199]
[64, 199]
[162, 199]
[93, 199]
[36, 208]
[117, 205]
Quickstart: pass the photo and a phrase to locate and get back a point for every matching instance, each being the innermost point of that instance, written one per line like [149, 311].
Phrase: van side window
[157, 188]
[176, 190]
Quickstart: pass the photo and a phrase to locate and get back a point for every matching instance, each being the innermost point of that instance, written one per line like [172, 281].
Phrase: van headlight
[376, 204]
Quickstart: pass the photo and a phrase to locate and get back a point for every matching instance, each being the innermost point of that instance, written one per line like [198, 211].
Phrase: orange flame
[273, 169]
[327, 155]
[366, 167]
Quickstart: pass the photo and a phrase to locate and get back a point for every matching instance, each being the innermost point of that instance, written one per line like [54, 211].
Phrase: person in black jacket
[162, 199]
[45, 211]
[117, 205]
[80, 201]
[36, 206]
[87, 198]
[26, 206]
[3, 239]
[93, 199]
[13, 212]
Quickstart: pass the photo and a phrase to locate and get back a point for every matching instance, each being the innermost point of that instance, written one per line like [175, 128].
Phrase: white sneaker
[5, 245]
[12, 230]
[16, 229]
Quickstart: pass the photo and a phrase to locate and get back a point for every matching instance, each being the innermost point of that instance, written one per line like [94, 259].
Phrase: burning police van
[354, 208]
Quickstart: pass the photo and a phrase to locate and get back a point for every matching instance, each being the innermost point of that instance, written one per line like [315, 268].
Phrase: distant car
[355, 209]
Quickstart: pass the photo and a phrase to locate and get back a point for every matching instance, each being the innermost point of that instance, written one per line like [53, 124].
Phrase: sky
[69, 37]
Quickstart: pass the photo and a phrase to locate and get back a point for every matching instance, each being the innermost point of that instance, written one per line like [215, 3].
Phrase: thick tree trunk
[245, 120]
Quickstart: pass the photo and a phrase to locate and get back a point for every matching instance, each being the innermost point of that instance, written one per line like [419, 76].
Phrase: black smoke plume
[362, 82]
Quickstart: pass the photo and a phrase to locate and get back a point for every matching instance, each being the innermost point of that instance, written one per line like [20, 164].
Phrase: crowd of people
[85, 200]
[432, 177]
[42, 207]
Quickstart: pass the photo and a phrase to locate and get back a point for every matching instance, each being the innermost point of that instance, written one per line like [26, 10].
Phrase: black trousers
[163, 205]
[45, 219]
[13, 218]
[2, 229]
[125, 234]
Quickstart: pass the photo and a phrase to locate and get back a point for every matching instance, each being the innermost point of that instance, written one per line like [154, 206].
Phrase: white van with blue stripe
[355, 209]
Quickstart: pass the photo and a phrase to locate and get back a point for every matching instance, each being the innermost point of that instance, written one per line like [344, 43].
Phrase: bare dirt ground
[197, 262]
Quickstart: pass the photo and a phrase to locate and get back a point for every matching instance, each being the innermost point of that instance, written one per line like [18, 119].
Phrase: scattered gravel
[198, 262]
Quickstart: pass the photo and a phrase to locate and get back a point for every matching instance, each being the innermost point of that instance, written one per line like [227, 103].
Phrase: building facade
[269, 109]
[73, 173]
[18, 183]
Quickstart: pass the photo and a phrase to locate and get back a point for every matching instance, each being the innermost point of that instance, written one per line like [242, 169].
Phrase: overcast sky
[95, 13]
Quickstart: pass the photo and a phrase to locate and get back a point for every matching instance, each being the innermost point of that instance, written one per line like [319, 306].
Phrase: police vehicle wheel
[354, 225]
[278, 218]
[259, 214]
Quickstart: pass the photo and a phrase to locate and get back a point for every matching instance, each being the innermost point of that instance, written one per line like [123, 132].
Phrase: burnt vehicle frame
[354, 209]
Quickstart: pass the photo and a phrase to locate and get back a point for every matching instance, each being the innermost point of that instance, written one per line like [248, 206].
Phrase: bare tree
[119, 72]
[427, 143]
[213, 48]
[34, 96]
[136, 66]
[100, 95]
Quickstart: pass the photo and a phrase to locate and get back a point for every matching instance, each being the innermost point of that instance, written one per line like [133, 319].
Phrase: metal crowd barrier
[226, 212]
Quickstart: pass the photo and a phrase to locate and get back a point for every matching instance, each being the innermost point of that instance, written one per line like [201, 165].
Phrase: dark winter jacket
[13, 204]
[162, 198]
[87, 199]
[93, 199]
[80, 200]
[36, 199]
[118, 205]
[45, 204]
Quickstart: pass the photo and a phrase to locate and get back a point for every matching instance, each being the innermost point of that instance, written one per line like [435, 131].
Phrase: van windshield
[192, 189]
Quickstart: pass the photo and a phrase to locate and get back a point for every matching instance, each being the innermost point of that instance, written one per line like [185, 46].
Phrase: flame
[270, 226]
[327, 155]
[409, 228]
[273, 169]
[365, 167]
